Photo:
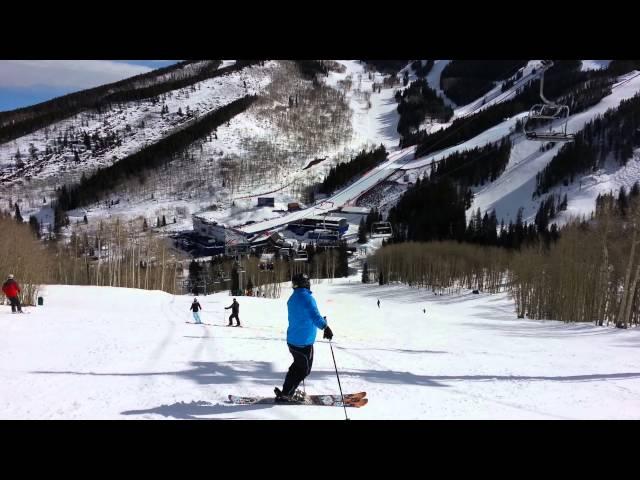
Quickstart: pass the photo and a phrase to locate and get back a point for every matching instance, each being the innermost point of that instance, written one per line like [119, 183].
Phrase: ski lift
[381, 230]
[266, 262]
[301, 256]
[548, 111]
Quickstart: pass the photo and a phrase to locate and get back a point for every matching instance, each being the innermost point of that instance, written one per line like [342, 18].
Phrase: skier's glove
[328, 334]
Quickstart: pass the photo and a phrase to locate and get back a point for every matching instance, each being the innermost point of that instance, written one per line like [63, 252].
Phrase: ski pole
[338, 377]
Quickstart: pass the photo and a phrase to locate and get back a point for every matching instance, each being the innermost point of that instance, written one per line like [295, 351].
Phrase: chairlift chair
[301, 256]
[381, 229]
[548, 111]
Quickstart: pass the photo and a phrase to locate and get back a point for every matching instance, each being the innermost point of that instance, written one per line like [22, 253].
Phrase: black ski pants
[232, 316]
[15, 303]
[299, 369]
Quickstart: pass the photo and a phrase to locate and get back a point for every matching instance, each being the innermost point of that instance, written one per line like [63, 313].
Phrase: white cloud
[65, 73]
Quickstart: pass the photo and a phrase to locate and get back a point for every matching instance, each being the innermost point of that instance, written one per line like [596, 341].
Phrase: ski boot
[282, 398]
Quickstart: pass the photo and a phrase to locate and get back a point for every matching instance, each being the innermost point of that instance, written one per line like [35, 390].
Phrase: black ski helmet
[301, 280]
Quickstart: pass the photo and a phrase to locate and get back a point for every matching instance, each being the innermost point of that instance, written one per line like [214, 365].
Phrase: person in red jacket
[11, 289]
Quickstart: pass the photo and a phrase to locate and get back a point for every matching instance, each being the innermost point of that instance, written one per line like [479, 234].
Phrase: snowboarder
[11, 289]
[195, 308]
[304, 319]
[378, 303]
[235, 309]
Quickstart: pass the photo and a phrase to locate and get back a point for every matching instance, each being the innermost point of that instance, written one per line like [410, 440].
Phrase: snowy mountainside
[279, 148]
[262, 144]
[515, 186]
[135, 124]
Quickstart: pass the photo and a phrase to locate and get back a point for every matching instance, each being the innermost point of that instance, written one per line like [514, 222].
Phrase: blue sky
[27, 82]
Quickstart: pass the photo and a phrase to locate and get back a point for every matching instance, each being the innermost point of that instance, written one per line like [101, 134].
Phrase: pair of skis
[356, 400]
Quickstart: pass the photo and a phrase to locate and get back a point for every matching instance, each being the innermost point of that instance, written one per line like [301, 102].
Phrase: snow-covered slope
[493, 97]
[372, 125]
[137, 124]
[515, 187]
[373, 119]
[496, 95]
[110, 353]
[433, 80]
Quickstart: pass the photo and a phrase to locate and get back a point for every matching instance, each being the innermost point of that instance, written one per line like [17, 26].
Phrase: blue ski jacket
[304, 318]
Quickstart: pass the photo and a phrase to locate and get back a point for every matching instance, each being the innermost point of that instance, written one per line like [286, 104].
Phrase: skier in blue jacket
[304, 320]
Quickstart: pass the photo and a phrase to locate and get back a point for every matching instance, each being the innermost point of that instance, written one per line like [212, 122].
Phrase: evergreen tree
[19, 218]
[623, 201]
[564, 203]
[35, 225]
[343, 260]
[164, 221]
[365, 273]
[235, 281]
[195, 275]
[362, 232]
[85, 219]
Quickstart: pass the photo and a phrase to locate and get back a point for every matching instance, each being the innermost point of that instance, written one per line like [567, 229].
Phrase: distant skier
[378, 303]
[195, 308]
[11, 289]
[304, 319]
[235, 309]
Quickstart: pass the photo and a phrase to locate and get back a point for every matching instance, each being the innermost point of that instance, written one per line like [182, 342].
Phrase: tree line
[416, 103]
[388, 66]
[26, 120]
[434, 209]
[92, 188]
[23, 121]
[245, 277]
[590, 274]
[465, 167]
[115, 254]
[344, 172]
[422, 69]
[465, 80]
